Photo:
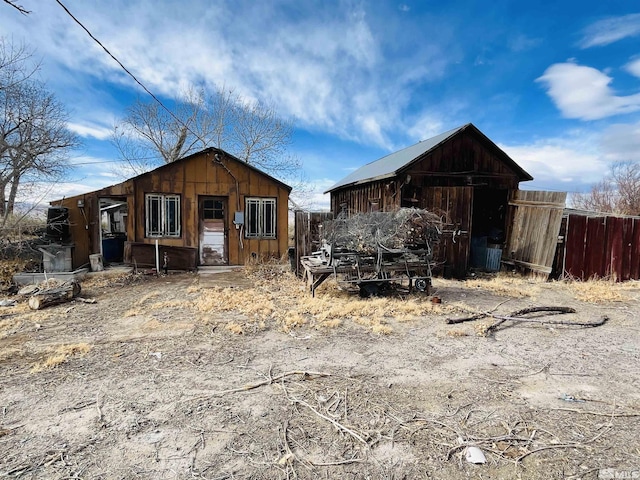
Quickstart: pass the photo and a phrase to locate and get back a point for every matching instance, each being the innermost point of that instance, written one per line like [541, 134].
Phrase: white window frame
[164, 205]
[263, 220]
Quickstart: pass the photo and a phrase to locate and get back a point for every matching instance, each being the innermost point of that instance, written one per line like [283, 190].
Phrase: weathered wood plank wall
[191, 178]
[375, 196]
[307, 234]
[534, 227]
[454, 204]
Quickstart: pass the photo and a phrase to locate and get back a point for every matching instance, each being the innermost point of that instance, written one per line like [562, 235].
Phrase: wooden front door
[213, 231]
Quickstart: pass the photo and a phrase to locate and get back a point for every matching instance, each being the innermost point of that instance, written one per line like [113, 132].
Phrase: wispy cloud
[583, 92]
[621, 142]
[633, 67]
[324, 67]
[90, 130]
[610, 30]
[559, 162]
[522, 43]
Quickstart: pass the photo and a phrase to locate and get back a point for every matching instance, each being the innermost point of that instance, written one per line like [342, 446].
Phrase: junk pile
[366, 233]
[376, 251]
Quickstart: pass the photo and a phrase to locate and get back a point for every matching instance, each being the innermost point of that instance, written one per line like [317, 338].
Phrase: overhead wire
[128, 72]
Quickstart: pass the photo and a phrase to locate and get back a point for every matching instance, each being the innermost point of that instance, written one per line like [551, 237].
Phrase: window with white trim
[260, 217]
[162, 215]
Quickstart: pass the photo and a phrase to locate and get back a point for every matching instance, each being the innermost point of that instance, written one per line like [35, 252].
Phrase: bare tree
[149, 136]
[618, 192]
[20, 8]
[34, 138]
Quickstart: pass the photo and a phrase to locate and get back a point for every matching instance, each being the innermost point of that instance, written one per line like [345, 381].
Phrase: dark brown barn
[209, 208]
[460, 173]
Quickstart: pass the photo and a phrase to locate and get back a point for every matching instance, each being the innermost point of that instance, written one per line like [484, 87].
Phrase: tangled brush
[399, 229]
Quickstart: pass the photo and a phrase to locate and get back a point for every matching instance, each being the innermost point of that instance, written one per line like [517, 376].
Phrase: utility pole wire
[126, 70]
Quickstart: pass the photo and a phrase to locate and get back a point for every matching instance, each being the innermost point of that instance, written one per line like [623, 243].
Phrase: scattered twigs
[335, 423]
[517, 313]
[598, 323]
[518, 316]
[598, 414]
[270, 379]
[548, 447]
[478, 316]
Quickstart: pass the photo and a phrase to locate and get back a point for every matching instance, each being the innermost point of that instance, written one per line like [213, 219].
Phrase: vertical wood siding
[191, 178]
[455, 205]
[534, 228]
[307, 236]
[602, 247]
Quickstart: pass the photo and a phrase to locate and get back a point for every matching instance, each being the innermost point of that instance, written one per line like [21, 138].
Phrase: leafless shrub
[618, 192]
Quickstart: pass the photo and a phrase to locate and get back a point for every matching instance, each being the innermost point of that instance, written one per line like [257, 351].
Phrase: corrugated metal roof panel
[388, 166]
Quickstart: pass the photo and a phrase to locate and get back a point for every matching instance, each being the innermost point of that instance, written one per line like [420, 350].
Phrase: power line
[127, 71]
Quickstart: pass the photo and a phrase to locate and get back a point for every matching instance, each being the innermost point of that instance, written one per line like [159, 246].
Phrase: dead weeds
[280, 300]
[60, 355]
[506, 285]
[598, 291]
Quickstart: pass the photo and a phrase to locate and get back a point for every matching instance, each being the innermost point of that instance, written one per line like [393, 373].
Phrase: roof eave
[363, 181]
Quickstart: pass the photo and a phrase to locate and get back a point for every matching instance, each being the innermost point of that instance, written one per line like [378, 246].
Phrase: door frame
[201, 220]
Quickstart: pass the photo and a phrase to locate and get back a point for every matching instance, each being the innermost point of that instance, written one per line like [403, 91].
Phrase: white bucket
[96, 262]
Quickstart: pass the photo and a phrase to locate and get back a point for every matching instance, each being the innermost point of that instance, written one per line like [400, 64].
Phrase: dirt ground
[244, 375]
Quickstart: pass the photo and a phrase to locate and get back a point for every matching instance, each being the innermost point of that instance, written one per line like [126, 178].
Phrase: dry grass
[8, 268]
[107, 280]
[281, 300]
[60, 355]
[7, 353]
[457, 333]
[598, 291]
[506, 285]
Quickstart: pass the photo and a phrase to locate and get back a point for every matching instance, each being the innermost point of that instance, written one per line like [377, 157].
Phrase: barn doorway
[488, 230]
[213, 230]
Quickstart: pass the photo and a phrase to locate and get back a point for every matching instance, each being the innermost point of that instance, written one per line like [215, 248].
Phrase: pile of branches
[367, 232]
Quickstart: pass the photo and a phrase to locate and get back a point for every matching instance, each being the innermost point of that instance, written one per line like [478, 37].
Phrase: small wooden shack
[209, 208]
[464, 176]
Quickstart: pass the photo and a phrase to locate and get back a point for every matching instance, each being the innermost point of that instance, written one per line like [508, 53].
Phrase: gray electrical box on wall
[238, 218]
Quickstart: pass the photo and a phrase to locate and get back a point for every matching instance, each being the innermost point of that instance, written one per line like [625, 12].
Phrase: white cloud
[566, 162]
[314, 198]
[621, 143]
[425, 126]
[522, 43]
[90, 130]
[633, 67]
[610, 30]
[583, 92]
[41, 193]
[325, 67]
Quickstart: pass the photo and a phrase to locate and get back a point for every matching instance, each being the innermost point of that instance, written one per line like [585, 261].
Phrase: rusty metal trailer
[372, 273]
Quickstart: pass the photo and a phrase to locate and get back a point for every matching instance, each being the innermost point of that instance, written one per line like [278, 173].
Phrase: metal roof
[391, 164]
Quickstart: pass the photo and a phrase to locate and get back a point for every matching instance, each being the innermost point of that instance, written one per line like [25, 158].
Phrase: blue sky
[555, 84]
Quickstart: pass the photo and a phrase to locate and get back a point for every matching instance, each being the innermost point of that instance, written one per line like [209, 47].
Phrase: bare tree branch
[618, 192]
[148, 136]
[21, 9]
[34, 138]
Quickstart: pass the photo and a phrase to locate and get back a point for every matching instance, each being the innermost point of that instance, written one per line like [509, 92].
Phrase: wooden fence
[533, 229]
[307, 234]
[602, 246]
